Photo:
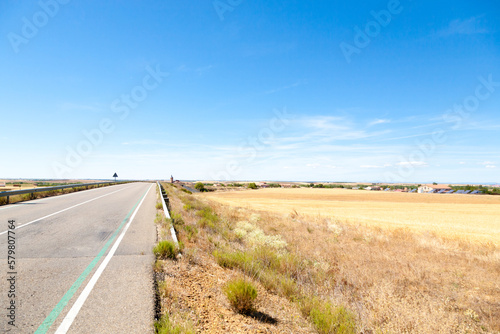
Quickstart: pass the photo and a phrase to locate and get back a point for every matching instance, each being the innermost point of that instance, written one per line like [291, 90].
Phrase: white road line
[16, 205]
[75, 309]
[71, 207]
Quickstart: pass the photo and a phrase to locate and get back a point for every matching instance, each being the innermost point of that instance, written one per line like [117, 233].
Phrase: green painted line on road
[47, 323]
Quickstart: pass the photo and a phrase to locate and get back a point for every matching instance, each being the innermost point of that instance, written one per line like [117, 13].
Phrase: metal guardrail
[167, 214]
[42, 189]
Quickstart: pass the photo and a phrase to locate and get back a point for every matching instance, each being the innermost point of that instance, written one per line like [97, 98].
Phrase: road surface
[82, 262]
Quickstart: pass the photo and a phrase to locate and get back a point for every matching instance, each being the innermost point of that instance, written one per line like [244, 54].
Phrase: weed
[159, 219]
[328, 318]
[232, 260]
[166, 250]
[159, 206]
[163, 290]
[241, 295]
[288, 288]
[208, 218]
[158, 266]
[191, 231]
[165, 326]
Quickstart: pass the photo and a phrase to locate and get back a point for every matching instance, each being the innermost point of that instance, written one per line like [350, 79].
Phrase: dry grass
[395, 280]
[469, 217]
[196, 296]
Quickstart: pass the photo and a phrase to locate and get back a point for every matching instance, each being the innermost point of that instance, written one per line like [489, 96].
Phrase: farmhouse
[432, 188]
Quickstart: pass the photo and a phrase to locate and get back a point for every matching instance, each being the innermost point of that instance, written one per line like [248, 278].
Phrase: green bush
[166, 250]
[241, 295]
[232, 260]
[252, 185]
[208, 218]
[199, 186]
[330, 319]
[159, 206]
[165, 326]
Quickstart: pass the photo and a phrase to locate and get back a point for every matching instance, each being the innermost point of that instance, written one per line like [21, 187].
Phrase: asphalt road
[82, 262]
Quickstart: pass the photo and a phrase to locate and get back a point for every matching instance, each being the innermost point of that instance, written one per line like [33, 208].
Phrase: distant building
[171, 179]
[432, 188]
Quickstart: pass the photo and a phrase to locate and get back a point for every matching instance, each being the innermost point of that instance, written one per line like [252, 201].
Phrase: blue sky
[251, 90]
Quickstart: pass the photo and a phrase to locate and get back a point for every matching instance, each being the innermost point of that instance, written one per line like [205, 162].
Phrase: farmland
[469, 217]
[402, 263]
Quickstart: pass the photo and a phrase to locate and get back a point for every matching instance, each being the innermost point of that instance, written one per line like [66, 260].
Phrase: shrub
[186, 191]
[288, 287]
[252, 185]
[166, 250]
[232, 260]
[191, 231]
[199, 186]
[266, 257]
[159, 219]
[330, 319]
[241, 295]
[165, 326]
[159, 206]
[208, 218]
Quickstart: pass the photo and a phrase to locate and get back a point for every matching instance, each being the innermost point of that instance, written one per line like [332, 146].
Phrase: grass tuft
[327, 318]
[165, 326]
[166, 250]
[241, 295]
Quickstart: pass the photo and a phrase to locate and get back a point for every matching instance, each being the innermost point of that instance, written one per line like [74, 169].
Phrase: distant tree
[434, 183]
[252, 185]
[199, 186]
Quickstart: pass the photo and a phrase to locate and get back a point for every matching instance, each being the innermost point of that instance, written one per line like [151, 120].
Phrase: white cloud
[371, 166]
[413, 163]
[379, 121]
[487, 163]
[276, 90]
[461, 163]
[491, 166]
[468, 26]
[320, 165]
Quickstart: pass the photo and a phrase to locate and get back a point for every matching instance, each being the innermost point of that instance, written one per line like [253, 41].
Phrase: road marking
[73, 312]
[71, 207]
[15, 205]
[54, 314]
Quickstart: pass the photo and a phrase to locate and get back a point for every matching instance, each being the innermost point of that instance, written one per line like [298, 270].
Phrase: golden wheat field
[473, 217]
